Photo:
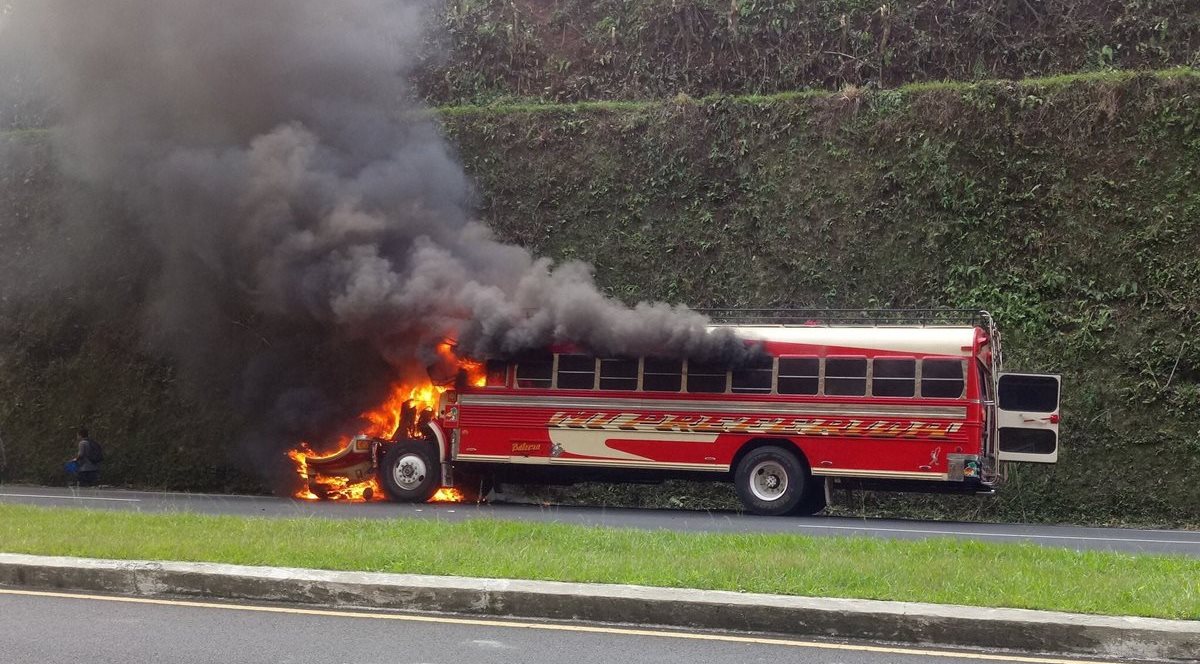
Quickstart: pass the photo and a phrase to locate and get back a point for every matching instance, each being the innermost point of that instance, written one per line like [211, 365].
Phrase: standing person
[87, 460]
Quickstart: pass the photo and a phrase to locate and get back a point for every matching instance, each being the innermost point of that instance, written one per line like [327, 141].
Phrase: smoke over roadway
[270, 160]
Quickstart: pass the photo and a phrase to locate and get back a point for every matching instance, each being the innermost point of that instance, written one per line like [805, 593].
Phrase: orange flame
[384, 422]
[447, 494]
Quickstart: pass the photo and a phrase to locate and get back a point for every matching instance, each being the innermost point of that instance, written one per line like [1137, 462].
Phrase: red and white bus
[894, 404]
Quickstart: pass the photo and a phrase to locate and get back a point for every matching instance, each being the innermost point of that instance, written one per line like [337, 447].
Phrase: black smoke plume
[266, 170]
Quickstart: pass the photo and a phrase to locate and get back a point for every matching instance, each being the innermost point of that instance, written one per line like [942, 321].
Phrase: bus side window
[846, 376]
[799, 375]
[618, 373]
[497, 373]
[942, 378]
[535, 370]
[755, 378]
[706, 377]
[894, 377]
[576, 372]
[659, 375]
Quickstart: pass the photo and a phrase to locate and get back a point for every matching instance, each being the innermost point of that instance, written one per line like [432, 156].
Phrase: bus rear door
[1027, 417]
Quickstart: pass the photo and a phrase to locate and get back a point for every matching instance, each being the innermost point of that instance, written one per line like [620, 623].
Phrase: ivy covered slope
[1068, 207]
[568, 50]
[76, 354]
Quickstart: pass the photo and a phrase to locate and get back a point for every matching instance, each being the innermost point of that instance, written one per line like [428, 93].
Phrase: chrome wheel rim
[409, 472]
[768, 481]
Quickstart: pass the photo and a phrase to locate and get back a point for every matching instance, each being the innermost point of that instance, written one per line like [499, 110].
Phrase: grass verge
[936, 570]
[614, 106]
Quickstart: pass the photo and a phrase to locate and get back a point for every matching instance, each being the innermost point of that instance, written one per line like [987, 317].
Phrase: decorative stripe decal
[757, 407]
[647, 464]
[666, 426]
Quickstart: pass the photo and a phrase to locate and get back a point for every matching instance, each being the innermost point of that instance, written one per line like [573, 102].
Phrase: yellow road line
[591, 629]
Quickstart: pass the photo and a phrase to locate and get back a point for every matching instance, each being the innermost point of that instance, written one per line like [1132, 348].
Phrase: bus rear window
[497, 373]
[618, 373]
[799, 375]
[661, 375]
[535, 371]
[942, 378]
[846, 376]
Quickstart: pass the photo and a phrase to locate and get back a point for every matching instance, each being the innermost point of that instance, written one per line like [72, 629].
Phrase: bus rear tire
[771, 481]
[410, 472]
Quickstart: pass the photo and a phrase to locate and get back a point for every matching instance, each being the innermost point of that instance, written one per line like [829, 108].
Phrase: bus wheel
[770, 481]
[410, 472]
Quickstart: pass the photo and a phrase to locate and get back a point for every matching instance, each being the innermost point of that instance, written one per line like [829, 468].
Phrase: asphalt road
[1107, 539]
[56, 627]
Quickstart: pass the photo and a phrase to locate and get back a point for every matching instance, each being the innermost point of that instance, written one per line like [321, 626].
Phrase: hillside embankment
[1066, 205]
[572, 50]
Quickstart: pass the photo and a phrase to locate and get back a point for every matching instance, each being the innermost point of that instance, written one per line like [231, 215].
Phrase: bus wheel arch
[772, 476]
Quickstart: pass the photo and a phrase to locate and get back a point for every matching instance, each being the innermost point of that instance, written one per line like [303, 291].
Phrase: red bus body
[904, 407]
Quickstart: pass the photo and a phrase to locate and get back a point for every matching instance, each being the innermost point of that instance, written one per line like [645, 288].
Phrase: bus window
[535, 370]
[942, 378]
[1034, 394]
[618, 373]
[660, 375]
[497, 373]
[799, 375]
[846, 376]
[754, 378]
[576, 372]
[894, 377]
[706, 377]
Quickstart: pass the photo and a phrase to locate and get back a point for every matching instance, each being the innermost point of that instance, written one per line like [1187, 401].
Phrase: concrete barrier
[905, 622]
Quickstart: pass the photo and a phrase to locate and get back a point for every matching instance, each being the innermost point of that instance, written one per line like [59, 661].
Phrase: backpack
[95, 453]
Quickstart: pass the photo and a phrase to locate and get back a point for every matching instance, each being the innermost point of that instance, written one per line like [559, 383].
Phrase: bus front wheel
[771, 481]
[410, 472]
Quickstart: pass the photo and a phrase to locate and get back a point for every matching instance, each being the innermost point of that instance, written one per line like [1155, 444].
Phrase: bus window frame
[771, 388]
[916, 377]
[595, 386]
[866, 377]
[516, 368]
[965, 379]
[509, 375]
[687, 365]
[820, 375]
[642, 376]
[637, 374]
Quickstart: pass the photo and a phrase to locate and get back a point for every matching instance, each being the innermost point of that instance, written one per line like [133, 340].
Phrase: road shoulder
[903, 622]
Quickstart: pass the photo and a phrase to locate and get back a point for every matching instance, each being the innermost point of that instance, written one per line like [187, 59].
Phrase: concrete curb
[1018, 629]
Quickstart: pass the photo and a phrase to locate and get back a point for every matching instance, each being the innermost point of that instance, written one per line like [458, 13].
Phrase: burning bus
[910, 401]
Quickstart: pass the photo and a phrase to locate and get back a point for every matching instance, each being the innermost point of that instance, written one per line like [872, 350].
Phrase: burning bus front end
[347, 474]
[352, 471]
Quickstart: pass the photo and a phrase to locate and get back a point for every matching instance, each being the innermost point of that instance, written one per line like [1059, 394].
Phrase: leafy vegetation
[568, 50]
[1019, 575]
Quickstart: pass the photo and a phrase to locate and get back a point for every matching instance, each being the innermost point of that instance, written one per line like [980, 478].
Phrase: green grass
[1039, 83]
[939, 570]
[24, 133]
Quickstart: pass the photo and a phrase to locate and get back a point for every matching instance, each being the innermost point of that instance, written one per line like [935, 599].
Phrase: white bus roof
[948, 340]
